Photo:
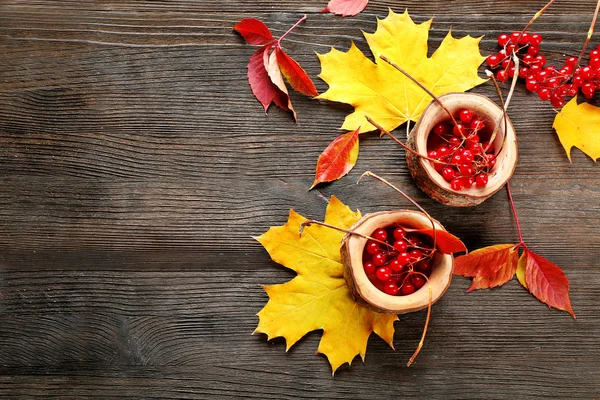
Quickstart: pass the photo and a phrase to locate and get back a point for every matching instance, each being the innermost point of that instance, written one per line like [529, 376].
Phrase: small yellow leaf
[385, 94]
[318, 298]
[579, 125]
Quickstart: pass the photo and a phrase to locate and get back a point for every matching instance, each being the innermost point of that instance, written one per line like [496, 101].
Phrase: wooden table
[135, 167]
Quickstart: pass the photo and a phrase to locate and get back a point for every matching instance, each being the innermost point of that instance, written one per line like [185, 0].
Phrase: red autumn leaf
[272, 67]
[254, 31]
[445, 242]
[295, 75]
[489, 267]
[338, 158]
[546, 281]
[345, 8]
[260, 83]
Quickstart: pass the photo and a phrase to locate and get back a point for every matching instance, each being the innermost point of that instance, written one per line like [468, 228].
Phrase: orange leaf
[490, 267]
[546, 281]
[345, 8]
[445, 242]
[338, 158]
[254, 31]
[295, 75]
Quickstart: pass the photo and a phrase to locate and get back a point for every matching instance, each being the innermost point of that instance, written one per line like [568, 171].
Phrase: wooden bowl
[432, 182]
[365, 292]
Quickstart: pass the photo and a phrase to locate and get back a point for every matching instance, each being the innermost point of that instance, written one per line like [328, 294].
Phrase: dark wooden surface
[135, 167]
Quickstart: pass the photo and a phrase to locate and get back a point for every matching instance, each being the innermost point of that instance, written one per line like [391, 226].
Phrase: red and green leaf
[445, 242]
[338, 158]
[254, 31]
[345, 8]
[295, 75]
[546, 281]
[489, 267]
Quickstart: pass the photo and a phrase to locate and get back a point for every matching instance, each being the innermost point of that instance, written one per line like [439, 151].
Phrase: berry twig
[310, 222]
[514, 211]
[590, 31]
[414, 356]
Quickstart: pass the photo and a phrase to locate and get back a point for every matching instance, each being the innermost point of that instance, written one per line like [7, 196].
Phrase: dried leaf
[345, 8]
[489, 267]
[274, 73]
[262, 87]
[318, 298]
[546, 281]
[445, 242]
[385, 94]
[254, 31]
[295, 75]
[579, 125]
[337, 159]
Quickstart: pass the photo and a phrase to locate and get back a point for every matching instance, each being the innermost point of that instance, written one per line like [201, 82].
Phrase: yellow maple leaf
[318, 298]
[385, 94]
[579, 125]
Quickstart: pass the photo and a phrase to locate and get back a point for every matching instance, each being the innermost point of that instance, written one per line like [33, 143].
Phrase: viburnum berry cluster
[461, 151]
[402, 266]
[548, 82]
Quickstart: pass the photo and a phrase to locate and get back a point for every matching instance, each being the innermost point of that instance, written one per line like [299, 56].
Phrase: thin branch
[310, 222]
[590, 31]
[514, 210]
[412, 359]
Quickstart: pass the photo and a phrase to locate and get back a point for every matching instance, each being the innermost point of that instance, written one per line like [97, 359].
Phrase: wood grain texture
[135, 168]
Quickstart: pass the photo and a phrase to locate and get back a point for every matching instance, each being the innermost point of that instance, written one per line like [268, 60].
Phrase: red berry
[534, 70]
[587, 73]
[503, 39]
[391, 288]
[532, 85]
[588, 90]
[467, 157]
[468, 181]
[514, 37]
[595, 62]
[448, 174]
[383, 273]
[577, 81]
[443, 151]
[466, 116]
[407, 289]
[466, 170]
[491, 159]
[458, 130]
[493, 60]
[507, 63]
[540, 60]
[440, 129]
[535, 39]
[594, 53]
[553, 83]
[524, 38]
[511, 71]
[415, 255]
[418, 281]
[400, 245]
[544, 94]
[424, 267]
[399, 233]
[456, 184]
[454, 141]
[372, 247]
[432, 154]
[557, 101]
[571, 62]
[396, 265]
[369, 268]
[379, 259]
[476, 124]
[502, 75]
[475, 148]
[533, 50]
[380, 234]
[523, 72]
[403, 258]
[473, 138]
[481, 180]
[457, 159]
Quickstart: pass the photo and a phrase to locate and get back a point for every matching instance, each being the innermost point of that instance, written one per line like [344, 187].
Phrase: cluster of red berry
[548, 82]
[400, 268]
[462, 151]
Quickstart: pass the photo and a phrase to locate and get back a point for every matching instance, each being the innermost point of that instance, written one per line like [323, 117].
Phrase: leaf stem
[429, 92]
[412, 359]
[514, 210]
[536, 16]
[291, 29]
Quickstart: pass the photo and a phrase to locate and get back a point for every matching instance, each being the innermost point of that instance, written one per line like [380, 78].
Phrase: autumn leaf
[337, 159]
[318, 297]
[578, 125]
[489, 267]
[545, 281]
[445, 242]
[380, 91]
[267, 64]
[345, 8]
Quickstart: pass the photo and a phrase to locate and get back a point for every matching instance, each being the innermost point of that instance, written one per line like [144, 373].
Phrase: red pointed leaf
[345, 8]
[338, 158]
[547, 282]
[282, 100]
[445, 242]
[294, 74]
[489, 267]
[254, 31]
[258, 78]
